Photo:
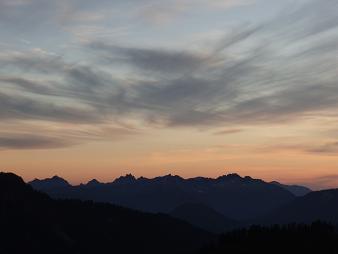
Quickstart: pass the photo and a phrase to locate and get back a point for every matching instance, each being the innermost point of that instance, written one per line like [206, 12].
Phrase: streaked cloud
[31, 142]
[228, 131]
[167, 11]
[275, 71]
[158, 60]
[329, 148]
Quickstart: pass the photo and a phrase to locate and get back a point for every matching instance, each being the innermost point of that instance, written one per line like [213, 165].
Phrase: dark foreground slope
[31, 222]
[294, 238]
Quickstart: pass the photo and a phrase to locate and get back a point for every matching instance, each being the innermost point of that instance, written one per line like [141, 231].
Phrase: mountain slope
[31, 222]
[204, 217]
[317, 205]
[297, 190]
[231, 195]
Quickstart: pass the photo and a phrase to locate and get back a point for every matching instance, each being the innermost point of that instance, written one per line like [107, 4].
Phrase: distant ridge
[127, 179]
[297, 190]
[233, 196]
[317, 205]
[54, 182]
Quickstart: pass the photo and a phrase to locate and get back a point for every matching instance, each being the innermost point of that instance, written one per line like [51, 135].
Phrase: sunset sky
[98, 89]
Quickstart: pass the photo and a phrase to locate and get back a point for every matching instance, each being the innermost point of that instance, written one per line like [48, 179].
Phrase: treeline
[319, 237]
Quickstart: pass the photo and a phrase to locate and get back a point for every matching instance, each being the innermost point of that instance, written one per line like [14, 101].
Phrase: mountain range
[233, 196]
[216, 205]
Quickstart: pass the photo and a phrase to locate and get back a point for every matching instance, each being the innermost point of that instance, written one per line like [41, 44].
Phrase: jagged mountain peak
[58, 178]
[49, 183]
[55, 178]
[128, 178]
[230, 177]
[169, 179]
[93, 182]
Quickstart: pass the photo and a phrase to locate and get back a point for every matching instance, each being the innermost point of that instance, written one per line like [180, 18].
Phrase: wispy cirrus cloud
[277, 71]
[21, 141]
[228, 131]
[76, 12]
[157, 60]
[164, 12]
[328, 148]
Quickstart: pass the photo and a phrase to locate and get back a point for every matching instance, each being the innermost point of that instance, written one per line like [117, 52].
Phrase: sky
[98, 89]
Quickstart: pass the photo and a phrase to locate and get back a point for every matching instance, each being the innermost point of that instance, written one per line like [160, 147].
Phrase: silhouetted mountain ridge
[54, 182]
[127, 179]
[233, 196]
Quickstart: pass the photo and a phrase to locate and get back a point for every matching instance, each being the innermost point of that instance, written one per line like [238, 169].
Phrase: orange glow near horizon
[186, 153]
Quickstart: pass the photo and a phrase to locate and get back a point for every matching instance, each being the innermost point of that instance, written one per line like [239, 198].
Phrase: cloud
[31, 86]
[157, 60]
[319, 148]
[279, 71]
[227, 132]
[12, 141]
[329, 148]
[26, 15]
[23, 134]
[20, 107]
[164, 12]
[31, 61]
[286, 105]
[229, 3]
[161, 13]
